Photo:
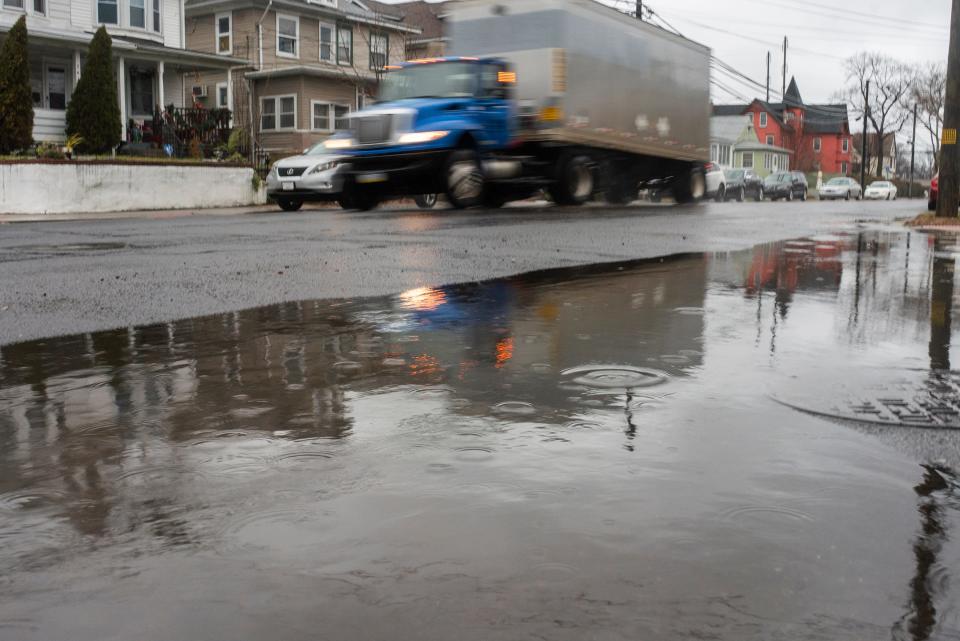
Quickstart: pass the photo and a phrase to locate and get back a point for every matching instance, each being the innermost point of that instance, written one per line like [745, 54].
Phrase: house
[151, 63]
[428, 17]
[888, 154]
[734, 144]
[307, 63]
[817, 136]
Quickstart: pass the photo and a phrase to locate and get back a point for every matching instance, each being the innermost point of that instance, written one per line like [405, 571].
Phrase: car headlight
[416, 137]
[339, 143]
[326, 166]
[273, 170]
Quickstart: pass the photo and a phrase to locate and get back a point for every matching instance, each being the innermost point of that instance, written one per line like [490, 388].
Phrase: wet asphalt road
[69, 277]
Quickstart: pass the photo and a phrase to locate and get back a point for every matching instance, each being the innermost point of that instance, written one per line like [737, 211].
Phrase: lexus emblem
[290, 172]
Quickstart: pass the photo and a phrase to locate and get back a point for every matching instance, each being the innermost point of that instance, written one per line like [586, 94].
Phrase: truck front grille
[373, 129]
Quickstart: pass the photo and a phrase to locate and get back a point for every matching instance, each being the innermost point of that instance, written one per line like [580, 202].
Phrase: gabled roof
[426, 16]
[826, 119]
[728, 129]
[729, 110]
[888, 140]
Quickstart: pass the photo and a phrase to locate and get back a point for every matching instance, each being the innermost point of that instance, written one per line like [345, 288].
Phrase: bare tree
[890, 82]
[927, 92]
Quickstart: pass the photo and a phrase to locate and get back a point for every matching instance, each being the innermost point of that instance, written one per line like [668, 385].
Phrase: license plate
[366, 179]
[289, 186]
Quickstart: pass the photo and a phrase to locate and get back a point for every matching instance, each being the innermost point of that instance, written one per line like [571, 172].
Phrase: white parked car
[716, 182]
[313, 176]
[841, 187]
[881, 190]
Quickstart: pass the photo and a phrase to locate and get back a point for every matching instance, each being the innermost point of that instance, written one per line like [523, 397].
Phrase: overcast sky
[740, 32]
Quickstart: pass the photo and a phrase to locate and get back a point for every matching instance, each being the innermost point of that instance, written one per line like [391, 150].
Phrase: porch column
[76, 68]
[122, 96]
[160, 95]
[230, 90]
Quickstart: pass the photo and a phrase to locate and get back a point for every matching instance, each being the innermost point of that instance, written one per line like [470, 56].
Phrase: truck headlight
[339, 143]
[416, 137]
[326, 166]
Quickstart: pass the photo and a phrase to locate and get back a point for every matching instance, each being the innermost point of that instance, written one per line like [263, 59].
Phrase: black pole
[639, 9]
[913, 149]
[768, 76]
[949, 156]
[863, 142]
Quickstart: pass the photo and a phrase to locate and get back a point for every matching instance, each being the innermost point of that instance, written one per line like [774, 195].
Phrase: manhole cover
[917, 399]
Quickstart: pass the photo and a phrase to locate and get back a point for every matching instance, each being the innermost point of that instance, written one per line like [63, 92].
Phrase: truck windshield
[436, 80]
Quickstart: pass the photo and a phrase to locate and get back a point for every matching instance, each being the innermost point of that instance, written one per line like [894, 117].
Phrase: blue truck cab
[437, 121]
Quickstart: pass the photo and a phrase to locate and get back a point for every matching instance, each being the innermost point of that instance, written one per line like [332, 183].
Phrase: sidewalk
[148, 214]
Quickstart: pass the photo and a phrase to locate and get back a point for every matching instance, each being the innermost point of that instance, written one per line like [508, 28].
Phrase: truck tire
[574, 180]
[426, 201]
[463, 179]
[690, 187]
[353, 198]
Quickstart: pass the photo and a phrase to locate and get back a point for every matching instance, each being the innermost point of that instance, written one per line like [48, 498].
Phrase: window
[341, 117]
[843, 168]
[768, 161]
[816, 145]
[141, 91]
[39, 7]
[278, 112]
[138, 14]
[725, 153]
[326, 42]
[344, 45]
[224, 33]
[321, 116]
[714, 153]
[746, 160]
[288, 36]
[13, 4]
[846, 145]
[222, 101]
[770, 139]
[379, 46]
[107, 12]
[156, 16]
[763, 119]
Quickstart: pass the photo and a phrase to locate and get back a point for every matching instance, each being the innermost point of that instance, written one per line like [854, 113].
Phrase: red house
[818, 135]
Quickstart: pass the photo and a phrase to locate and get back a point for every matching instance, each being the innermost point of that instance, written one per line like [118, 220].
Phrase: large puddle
[756, 445]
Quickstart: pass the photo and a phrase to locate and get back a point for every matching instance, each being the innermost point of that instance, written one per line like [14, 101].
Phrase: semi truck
[570, 97]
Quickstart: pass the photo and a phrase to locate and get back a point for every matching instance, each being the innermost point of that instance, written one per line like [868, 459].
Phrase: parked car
[741, 183]
[841, 187]
[785, 184]
[880, 190]
[716, 182]
[312, 176]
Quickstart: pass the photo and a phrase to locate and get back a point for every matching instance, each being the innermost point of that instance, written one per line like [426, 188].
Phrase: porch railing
[190, 130]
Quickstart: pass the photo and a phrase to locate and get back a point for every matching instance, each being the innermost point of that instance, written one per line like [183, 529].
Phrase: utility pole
[949, 161]
[913, 150]
[863, 141]
[783, 92]
[768, 76]
[639, 9]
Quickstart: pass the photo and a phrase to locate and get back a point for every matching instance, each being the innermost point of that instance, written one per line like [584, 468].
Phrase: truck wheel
[426, 201]
[290, 205]
[463, 178]
[741, 195]
[574, 183]
[690, 187]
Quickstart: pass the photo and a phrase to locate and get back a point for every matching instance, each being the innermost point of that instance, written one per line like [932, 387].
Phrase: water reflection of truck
[569, 96]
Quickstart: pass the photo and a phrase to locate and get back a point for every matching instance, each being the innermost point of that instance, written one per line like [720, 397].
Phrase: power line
[804, 6]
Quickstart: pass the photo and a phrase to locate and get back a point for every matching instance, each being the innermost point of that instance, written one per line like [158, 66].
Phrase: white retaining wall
[39, 188]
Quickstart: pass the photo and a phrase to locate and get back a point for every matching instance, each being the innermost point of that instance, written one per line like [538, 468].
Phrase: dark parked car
[742, 183]
[786, 184]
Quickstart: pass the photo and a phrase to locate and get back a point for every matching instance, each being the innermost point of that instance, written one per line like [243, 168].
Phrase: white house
[152, 66]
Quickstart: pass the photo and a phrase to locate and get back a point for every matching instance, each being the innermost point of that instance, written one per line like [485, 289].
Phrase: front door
[55, 86]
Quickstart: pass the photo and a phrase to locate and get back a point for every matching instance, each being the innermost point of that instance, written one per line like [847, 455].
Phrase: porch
[150, 79]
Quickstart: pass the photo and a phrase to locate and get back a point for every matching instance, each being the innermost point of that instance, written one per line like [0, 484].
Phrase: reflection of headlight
[339, 143]
[415, 137]
[325, 167]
